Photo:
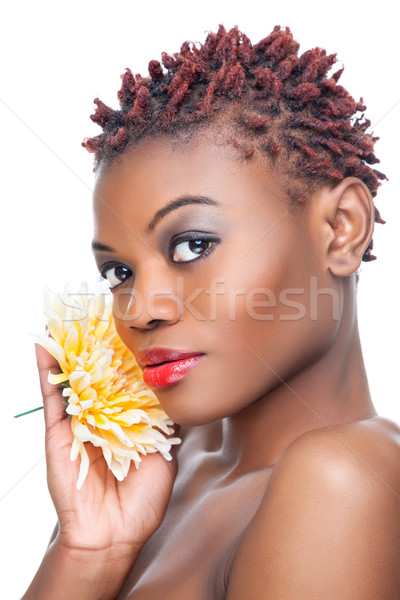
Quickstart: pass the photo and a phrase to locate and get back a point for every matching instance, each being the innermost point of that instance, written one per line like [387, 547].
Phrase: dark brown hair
[280, 104]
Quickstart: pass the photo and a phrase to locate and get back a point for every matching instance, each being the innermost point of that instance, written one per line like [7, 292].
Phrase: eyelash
[186, 238]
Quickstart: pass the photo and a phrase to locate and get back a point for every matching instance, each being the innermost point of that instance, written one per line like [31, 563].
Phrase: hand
[105, 514]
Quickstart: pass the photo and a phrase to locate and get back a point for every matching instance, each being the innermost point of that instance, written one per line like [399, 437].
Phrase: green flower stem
[64, 385]
[28, 411]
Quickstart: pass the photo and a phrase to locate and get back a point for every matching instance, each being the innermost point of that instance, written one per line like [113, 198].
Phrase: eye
[115, 274]
[189, 250]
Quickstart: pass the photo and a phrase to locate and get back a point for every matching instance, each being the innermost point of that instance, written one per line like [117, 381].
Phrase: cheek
[266, 321]
[127, 335]
[123, 334]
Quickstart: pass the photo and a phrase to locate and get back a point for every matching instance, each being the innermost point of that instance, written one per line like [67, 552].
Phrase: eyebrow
[163, 212]
[102, 247]
[174, 204]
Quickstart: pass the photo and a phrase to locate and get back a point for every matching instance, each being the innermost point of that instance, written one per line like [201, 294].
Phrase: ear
[349, 219]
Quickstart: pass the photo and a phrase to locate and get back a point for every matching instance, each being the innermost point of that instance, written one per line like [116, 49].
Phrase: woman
[233, 206]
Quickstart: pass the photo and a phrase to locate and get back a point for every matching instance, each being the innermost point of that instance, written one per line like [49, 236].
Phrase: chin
[193, 420]
[189, 408]
[188, 417]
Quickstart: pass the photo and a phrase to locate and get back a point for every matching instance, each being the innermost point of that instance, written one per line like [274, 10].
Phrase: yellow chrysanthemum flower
[109, 403]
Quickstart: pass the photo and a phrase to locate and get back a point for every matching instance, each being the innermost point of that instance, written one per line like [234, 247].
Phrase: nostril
[153, 323]
[150, 325]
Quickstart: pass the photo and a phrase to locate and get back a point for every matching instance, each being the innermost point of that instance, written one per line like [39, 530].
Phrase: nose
[147, 305]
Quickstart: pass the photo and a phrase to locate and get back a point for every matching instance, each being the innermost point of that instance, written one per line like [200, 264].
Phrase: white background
[56, 58]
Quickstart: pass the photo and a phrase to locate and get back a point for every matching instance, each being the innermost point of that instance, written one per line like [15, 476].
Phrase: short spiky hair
[281, 104]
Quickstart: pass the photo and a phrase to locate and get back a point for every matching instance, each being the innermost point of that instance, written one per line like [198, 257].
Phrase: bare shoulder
[368, 449]
[329, 523]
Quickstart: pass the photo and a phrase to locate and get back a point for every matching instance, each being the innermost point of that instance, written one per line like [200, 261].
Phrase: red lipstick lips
[164, 366]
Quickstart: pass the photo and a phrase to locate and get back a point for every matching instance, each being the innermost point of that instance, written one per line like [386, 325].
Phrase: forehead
[141, 181]
[157, 162]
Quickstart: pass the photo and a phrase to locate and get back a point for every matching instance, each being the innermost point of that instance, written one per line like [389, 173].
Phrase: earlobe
[352, 218]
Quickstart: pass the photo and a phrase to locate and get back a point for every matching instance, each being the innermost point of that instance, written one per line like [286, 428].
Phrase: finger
[54, 409]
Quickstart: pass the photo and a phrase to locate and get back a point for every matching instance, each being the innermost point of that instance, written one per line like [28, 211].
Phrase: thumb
[54, 409]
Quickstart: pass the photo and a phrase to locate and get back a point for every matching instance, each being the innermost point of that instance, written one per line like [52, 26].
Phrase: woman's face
[228, 271]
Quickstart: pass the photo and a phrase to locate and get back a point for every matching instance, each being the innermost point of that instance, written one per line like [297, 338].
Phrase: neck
[332, 390]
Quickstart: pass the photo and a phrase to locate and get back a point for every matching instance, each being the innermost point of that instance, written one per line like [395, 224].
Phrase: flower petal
[57, 378]
[84, 468]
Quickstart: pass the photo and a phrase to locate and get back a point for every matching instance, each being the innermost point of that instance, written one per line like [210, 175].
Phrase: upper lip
[153, 356]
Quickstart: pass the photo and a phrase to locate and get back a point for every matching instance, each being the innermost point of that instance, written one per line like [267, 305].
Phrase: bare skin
[288, 482]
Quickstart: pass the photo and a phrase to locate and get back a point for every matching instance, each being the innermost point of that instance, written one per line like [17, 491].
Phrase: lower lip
[170, 372]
